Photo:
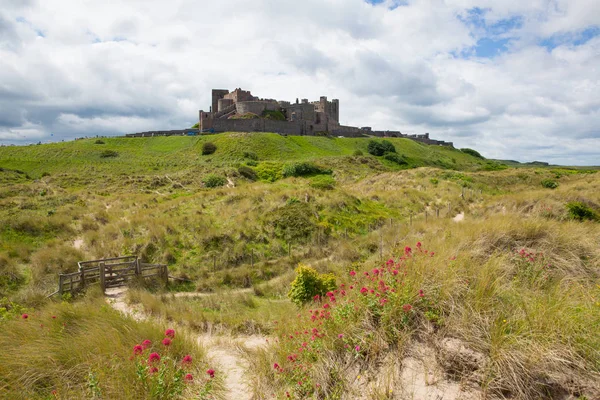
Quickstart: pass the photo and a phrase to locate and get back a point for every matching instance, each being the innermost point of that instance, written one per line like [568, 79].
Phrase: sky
[513, 79]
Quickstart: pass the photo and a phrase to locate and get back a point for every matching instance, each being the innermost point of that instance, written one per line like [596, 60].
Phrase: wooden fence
[109, 272]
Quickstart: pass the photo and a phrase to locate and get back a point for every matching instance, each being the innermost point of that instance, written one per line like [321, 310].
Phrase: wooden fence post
[425, 215]
[437, 212]
[102, 277]
[138, 267]
[60, 284]
[82, 279]
[165, 273]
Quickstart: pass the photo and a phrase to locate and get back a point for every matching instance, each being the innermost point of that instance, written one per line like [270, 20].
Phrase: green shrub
[208, 148]
[357, 153]
[248, 173]
[308, 284]
[294, 221]
[434, 181]
[380, 148]
[213, 181]
[581, 211]
[251, 163]
[196, 125]
[472, 152]
[109, 153]
[99, 141]
[303, 169]
[549, 183]
[395, 158]
[275, 115]
[269, 171]
[251, 155]
[324, 182]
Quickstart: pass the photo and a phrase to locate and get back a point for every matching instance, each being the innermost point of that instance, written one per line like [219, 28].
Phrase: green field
[500, 298]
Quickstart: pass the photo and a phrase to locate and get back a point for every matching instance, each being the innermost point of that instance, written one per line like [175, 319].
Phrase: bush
[581, 211]
[196, 125]
[248, 173]
[250, 155]
[395, 158]
[303, 169]
[549, 183]
[380, 148]
[324, 182]
[213, 181]
[308, 284]
[472, 152]
[293, 222]
[357, 153]
[99, 141]
[109, 153]
[275, 115]
[269, 171]
[208, 148]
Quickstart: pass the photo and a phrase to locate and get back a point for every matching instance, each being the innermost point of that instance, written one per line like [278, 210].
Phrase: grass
[85, 350]
[515, 283]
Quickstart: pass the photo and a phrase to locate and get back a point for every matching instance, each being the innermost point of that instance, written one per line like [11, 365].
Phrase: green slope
[147, 155]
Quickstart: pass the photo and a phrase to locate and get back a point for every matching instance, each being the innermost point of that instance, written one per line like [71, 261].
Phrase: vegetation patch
[109, 154]
[472, 152]
[208, 148]
[303, 169]
[379, 148]
[549, 183]
[213, 181]
[581, 211]
[309, 285]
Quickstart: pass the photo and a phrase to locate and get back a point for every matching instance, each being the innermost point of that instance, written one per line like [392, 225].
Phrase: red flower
[153, 357]
[153, 370]
[137, 349]
[316, 298]
[418, 245]
[395, 272]
[326, 305]
[329, 294]
[407, 250]
[24, 316]
[352, 273]
[190, 378]
[146, 343]
[166, 341]
[376, 271]
[276, 366]
[170, 333]
[406, 308]
[364, 290]
[54, 317]
[187, 359]
[211, 373]
[421, 294]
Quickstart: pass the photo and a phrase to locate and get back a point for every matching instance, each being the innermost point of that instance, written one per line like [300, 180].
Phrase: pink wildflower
[406, 308]
[166, 341]
[189, 377]
[137, 349]
[24, 316]
[211, 373]
[187, 359]
[146, 343]
[170, 333]
[153, 357]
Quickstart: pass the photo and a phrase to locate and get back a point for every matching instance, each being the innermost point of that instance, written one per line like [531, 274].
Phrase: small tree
[208, 148]
[308, 284]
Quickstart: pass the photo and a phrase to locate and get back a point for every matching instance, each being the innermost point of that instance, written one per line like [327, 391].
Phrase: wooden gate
[109, 272]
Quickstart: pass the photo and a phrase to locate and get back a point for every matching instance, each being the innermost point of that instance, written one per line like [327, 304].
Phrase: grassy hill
[502, 301]
[175, 153]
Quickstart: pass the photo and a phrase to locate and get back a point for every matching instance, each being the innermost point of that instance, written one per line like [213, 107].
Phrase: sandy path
[459, 217]
[223, 350]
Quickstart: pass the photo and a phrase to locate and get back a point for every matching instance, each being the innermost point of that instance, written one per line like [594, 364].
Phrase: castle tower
[335, 110]
[216, 95]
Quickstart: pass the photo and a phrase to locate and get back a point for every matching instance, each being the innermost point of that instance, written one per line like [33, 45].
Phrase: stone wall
[255, 107]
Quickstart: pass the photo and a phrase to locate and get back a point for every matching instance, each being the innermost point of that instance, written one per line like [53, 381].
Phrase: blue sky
[513, 79]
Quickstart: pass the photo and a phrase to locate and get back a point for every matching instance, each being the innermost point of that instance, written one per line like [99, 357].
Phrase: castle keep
[240, 111]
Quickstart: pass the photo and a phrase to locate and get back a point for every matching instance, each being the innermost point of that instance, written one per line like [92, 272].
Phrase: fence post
[437, 212]
[425, 215]
[289, 249]
[82, 279]
[102, 277]
[165, 274]
[138, 266]
[60, 284]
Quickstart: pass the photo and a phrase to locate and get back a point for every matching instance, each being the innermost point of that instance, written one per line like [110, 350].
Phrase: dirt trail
[223, 350]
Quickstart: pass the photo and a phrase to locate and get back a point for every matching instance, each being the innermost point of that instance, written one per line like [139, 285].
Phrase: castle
[240, 111]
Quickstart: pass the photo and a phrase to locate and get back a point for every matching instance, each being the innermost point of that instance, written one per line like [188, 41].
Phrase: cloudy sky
[514, 79]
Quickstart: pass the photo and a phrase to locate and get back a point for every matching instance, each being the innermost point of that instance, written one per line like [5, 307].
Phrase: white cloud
[74, 68]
